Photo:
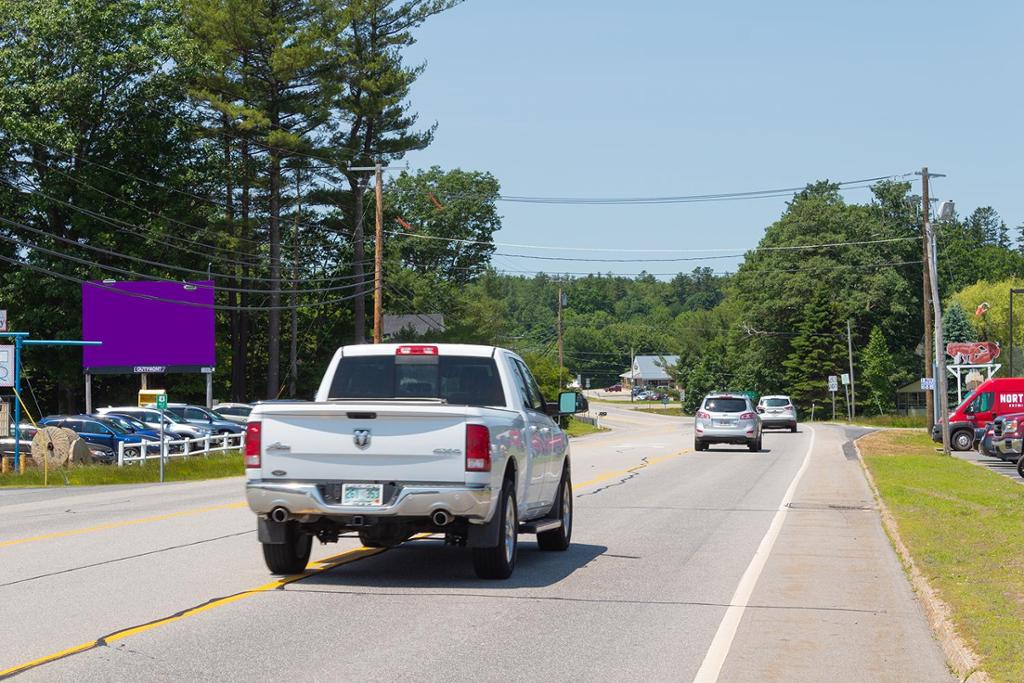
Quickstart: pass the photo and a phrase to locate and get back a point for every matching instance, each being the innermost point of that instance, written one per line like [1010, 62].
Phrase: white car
[403, 439]
[777, 412]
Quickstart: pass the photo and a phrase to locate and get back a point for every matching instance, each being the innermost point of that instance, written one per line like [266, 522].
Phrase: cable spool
[53, 444]
[80, 453]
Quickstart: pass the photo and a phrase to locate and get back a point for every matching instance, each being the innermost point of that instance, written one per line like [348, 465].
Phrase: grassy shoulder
[175, 469]
[659, 409]
[964, 527]
[912, 421]
[577, 428]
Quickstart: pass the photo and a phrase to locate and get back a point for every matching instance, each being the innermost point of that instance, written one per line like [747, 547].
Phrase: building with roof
[650, 371]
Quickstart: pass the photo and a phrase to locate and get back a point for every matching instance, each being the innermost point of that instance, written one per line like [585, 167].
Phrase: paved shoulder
[833, 602]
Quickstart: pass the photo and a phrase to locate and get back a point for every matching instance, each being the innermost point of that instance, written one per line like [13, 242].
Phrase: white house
[650, 371]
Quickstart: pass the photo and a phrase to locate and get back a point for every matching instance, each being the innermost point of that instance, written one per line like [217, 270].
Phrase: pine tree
[817, 352]
[956, 326]
[878, 371]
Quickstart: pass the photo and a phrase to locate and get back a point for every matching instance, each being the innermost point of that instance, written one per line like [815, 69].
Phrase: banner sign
[973, 353]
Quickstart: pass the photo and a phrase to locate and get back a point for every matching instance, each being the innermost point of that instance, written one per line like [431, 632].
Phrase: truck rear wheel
[291, 556]
[497, 562]
[560, 538]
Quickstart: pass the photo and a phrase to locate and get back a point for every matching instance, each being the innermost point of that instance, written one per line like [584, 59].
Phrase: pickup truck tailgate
[408, 444]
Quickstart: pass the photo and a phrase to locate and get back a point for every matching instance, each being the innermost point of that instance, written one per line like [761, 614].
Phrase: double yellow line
[314, 568]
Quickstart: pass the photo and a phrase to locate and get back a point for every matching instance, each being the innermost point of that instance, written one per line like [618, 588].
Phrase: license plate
[362, 494]
[725, 423]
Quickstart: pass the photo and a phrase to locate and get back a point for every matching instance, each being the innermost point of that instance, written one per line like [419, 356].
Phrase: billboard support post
[209, 391]
[88, 394]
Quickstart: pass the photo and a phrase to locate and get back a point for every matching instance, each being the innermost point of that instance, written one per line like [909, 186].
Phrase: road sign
[161, 402]
[927, 384]
[833, 383]
[3, 320]
[7, 365]
[846, 378]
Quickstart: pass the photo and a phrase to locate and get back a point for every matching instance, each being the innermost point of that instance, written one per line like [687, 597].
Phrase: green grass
[175, 469]
[577, 428]
[964, 527]
[920, 421]
[674, 410]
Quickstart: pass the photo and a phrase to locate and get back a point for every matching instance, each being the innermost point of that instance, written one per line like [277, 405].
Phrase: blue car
[101, 431]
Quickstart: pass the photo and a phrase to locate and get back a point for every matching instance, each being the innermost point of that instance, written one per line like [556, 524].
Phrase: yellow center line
[619, 473]
[122, 523]
[314, 568]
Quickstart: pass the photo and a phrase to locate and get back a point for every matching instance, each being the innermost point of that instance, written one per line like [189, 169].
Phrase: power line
[194, 304]
[159, 264]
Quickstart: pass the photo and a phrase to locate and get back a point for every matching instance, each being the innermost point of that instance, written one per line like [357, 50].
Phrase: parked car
[443, 438]
[26, 434]
[98, 430]
[777, 412]
[196, 415]
[151, 416]
[614, 387]
[727, 418]
[994, 397]
[138, 427]
[235, 412]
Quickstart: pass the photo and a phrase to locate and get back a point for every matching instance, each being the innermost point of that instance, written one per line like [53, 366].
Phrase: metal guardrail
[203, 445]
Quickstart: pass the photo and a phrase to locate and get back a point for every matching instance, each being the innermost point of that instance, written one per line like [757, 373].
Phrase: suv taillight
[746, 416]
[703, 415]
[478, 449]
[253, 433]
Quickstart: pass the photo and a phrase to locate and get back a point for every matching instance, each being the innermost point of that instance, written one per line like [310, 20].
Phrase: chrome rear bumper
[302, 498]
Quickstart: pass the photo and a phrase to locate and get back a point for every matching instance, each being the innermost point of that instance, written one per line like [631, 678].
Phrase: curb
[964, 661]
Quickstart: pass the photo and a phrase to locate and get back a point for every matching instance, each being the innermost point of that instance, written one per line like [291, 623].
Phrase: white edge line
[711, 667]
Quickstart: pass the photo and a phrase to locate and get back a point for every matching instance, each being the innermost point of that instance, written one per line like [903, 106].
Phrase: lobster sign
[973, 353]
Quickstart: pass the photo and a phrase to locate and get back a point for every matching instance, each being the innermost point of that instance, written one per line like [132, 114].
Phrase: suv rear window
[459, 380]
[776, 402]
[725, 405]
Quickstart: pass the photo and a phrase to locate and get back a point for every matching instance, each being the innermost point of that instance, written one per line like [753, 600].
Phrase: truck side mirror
[569, 402]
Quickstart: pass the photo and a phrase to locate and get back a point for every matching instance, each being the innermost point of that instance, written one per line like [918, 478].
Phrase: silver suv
[727, 418]
[777, 411]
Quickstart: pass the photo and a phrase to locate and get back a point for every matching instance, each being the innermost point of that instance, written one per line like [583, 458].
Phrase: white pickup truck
[412, 438]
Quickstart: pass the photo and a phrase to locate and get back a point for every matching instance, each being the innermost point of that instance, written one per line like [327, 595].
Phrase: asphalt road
[726, 565]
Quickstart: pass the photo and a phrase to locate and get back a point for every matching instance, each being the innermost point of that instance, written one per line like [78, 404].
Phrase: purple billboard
[148, 326]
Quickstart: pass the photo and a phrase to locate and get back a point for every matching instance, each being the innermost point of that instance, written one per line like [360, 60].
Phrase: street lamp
[1012, 292]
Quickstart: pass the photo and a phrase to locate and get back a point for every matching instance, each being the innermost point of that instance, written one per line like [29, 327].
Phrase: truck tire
[497, 562]
[1020, 466]
[291, 556]
[560, 538]
[962, 440]
[699, 445]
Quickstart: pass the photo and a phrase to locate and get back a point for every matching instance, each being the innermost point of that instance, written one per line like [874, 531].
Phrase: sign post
[833, 387]
[161, 405]
[846, 389]
[3, 320]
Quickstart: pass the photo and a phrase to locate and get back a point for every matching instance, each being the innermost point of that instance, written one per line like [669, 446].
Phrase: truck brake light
[478, 448]
[253, 432]
[417, 350]
[747, 416]
[703, 415]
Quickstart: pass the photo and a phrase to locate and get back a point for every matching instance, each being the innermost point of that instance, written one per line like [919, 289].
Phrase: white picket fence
[203, 445]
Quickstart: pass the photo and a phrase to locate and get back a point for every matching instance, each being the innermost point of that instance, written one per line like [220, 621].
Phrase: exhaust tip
[441, 517]
[279, 514]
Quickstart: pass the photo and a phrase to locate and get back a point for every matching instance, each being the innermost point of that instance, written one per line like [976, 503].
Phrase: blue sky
[577, 98]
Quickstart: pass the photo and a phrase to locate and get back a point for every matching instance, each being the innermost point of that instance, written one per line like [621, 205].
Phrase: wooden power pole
[926, 300]
[378, 261]
[561, 362]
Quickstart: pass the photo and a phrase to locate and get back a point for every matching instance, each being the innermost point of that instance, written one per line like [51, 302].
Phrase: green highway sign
[161, 401]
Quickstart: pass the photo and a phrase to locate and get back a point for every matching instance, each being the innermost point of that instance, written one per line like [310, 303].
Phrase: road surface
[726, 565]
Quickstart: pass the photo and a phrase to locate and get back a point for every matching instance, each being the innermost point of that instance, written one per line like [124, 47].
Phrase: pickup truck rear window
[459, 380]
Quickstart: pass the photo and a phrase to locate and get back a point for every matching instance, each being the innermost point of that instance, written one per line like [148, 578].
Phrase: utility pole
[926, 295]
[941, 384]
[561, 362]
[293, 348]
[378, 260]
[378, 257]
[632, 373]
[853, 392]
